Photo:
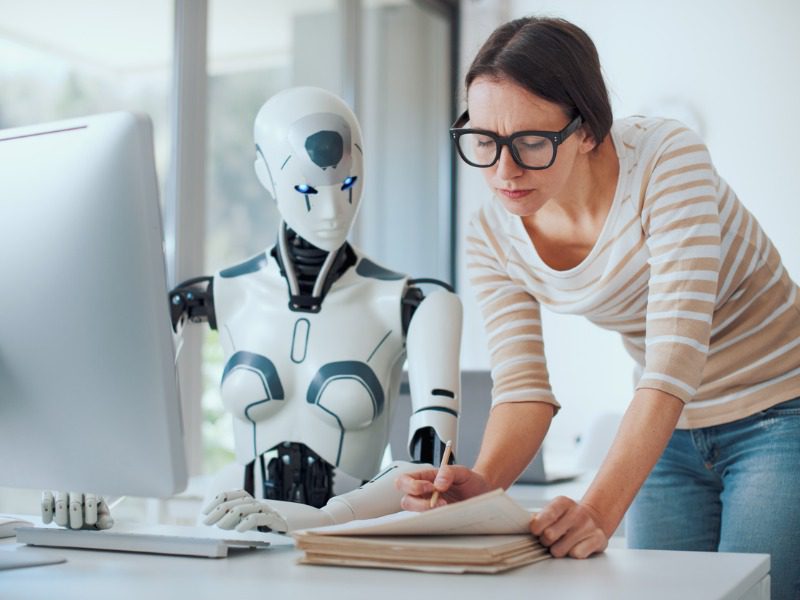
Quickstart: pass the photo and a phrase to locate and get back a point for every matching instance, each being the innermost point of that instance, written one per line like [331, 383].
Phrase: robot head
[308, 156]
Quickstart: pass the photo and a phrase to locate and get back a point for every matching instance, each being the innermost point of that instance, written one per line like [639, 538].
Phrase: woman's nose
[507, 168]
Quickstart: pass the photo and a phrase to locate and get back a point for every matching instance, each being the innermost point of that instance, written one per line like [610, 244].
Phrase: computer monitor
[88, 390]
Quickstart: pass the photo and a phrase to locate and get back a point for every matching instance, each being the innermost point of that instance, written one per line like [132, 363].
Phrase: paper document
[490, 513]
[486, 534]
[433, 554]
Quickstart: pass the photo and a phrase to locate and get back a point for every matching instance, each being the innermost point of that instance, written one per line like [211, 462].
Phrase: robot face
[309, 158]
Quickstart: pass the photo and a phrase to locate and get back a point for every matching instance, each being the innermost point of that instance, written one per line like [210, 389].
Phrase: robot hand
[76, 510]
[239, 510]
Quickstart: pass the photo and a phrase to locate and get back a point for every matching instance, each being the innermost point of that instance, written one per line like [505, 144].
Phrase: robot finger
[104, 520]
[223, 497]
[222, 509]
[272, 521]
[75, 510]
[277, 522]
[90, 509]
[61, 515]
[48, 507]
[234, 516]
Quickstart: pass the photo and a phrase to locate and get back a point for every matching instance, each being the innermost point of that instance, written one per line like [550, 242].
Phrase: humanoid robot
[315, 335]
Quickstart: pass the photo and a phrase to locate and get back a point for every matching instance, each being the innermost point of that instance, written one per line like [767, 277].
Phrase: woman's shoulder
[490, 225]
[489, 216]
[643, 135]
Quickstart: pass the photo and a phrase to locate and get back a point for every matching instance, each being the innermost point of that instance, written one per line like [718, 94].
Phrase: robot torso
[327, 379]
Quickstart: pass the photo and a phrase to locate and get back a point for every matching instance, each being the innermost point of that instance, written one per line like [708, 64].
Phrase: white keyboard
[157, 539]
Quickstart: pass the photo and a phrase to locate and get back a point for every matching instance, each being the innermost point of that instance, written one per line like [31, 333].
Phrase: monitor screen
[88, 389]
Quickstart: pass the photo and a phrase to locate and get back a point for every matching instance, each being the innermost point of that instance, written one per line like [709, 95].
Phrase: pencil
[448, 448]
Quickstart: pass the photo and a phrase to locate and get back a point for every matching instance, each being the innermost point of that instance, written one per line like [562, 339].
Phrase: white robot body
[320, 365]
[375, 498]
[433, 369]
[326, 379]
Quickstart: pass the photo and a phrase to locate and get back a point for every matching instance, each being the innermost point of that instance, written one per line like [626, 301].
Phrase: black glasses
[529, 149]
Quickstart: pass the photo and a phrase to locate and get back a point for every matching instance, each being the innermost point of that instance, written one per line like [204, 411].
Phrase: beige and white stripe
[681, 270]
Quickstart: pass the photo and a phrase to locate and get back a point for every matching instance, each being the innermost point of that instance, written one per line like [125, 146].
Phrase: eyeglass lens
[531, 150]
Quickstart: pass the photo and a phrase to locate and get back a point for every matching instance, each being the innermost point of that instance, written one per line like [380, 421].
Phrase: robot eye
[304, 188]
[349, 182]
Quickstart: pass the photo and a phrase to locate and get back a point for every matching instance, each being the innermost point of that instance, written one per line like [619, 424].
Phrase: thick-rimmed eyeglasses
[530, 149]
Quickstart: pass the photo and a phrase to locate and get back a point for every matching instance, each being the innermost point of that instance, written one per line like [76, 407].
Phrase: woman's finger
[597, 542]
[418, 503]
[563, 545]
[416, 484]
[550, 514]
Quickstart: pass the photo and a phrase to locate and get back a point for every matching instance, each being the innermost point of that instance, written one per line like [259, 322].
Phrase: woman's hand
[453, 482]
[568, 528]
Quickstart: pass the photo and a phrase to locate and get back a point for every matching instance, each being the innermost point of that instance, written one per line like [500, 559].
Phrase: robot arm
[377, 497]
[193, 300]
[433, 344]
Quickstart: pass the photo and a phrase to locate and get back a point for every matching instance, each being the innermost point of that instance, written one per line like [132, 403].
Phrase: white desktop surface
[273, 573]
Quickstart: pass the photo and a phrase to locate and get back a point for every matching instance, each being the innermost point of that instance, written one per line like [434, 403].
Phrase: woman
[627, 223]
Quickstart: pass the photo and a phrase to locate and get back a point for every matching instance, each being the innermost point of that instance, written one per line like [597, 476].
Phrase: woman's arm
[524, 402]
[513, 434]
[680, 217]
[582, 529]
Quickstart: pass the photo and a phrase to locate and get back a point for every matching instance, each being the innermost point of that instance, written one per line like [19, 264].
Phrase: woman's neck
[588, 196]
[566, 229]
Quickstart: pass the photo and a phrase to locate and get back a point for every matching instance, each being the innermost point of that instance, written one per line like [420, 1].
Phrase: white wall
[731, 69]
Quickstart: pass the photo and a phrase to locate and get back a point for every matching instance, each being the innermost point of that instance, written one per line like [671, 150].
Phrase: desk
[273, 573]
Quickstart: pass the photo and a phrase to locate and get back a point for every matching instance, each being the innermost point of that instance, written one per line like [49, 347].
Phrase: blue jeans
[729, 488]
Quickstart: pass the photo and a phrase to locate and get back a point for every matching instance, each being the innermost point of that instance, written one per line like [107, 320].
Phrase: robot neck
[309, 271]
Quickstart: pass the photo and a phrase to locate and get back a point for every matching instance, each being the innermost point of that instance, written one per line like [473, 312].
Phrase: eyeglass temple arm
[570, 128]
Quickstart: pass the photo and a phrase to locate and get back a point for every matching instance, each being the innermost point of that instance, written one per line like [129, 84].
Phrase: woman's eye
[304, 188]
[530, 146]
[349, 182]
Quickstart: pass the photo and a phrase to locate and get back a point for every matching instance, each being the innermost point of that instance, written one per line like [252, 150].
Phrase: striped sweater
[681, 270]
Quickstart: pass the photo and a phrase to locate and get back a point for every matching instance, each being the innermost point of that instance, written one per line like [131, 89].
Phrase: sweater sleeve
[512, 320]
[681, 224]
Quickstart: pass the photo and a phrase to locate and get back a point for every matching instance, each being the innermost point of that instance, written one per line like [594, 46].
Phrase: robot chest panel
[294, 365]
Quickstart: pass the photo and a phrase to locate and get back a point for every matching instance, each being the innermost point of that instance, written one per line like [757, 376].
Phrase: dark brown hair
[555, 60]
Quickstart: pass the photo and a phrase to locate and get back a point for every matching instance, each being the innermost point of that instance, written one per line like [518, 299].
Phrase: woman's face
[504, 107]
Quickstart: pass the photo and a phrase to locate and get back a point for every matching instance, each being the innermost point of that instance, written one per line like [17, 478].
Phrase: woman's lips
[514, 194]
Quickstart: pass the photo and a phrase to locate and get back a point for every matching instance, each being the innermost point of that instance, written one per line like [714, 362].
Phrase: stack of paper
[485, 534]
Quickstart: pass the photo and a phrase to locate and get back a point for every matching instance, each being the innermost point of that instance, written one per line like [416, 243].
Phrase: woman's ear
[587, 142]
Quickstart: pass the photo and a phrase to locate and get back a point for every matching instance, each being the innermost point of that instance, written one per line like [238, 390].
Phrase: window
[87, 57]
